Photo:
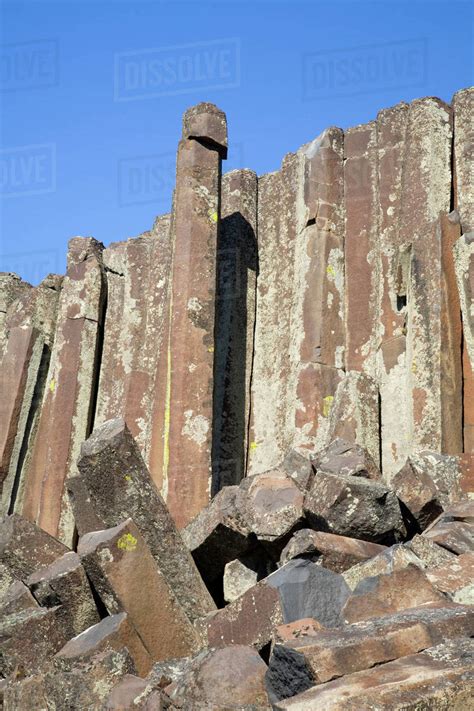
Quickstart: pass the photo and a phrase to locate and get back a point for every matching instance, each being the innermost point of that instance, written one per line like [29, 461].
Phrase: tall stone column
[187, 436]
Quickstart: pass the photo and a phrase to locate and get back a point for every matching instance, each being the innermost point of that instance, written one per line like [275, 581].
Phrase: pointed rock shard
[354, 415]
[113, 632]
[119, 486]
[127, 578]
[463, 108]
[66, 409]
[237, 262]
[187, 445]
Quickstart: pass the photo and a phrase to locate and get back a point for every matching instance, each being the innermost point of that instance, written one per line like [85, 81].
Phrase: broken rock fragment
[119, 486]
[114, 632]
[24, 547]
[337, 553]
[299, 664]
[455, 578]
[244, 572]
[65, 583]
[416, 489]
[393, 558]
[16, 598]
[346, 459]
[127, 578]
[354, 507]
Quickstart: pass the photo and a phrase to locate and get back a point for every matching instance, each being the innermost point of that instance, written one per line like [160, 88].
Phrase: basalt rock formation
[237, 451]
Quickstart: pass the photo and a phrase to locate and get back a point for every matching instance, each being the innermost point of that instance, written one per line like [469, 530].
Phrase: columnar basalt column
[187, 437]
[237, 265]
[66, 411]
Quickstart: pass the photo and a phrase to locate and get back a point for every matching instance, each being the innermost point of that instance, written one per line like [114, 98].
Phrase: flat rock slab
[113, 632]
[438, 678]
[119, 486]
[299, 664]
[127, 578]
[336, 553]
[25, 548]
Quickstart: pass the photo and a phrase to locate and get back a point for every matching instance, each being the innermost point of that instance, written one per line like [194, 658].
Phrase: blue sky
[93, 93]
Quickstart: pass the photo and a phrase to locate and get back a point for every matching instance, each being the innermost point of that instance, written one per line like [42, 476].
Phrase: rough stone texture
[16, 598]
[65, 583]
[11, 287]
[337, 553]
[438, 678]
[354, 414]
[392, 592]
[134, 693]
[394, 558]
[244, 572]
[30, 638]
[186, 461]
[114, 632]
[464, 265]
[25, 548]
[29, 331]
[454, 528]
[237, 264]
[298, 664]
[455, 578]
[354, 507]
[346, 459]
[430, 554]
[463, 106]
[126, 576]
[227, 678]
[66, 414]
[416, 489]
[119, 486]
[135, 330]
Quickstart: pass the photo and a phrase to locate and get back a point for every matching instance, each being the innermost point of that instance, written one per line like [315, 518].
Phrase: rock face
[237, 451]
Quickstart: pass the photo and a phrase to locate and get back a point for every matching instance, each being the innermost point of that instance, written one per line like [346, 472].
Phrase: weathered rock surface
[25, 547]
[346, 459]
[337, 553]
[439, 677]
[127, 578]
[394, 558]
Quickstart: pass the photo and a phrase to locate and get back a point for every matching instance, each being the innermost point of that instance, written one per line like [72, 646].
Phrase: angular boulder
[337, 553]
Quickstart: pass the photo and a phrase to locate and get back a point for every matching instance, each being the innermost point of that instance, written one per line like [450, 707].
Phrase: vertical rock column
[463, 179]
[187, 440]
[235, 322]
[29, 323]
[66, 412]
[319, 278]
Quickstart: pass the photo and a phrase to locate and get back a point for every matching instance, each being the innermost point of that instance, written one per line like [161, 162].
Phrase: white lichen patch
[196, 427]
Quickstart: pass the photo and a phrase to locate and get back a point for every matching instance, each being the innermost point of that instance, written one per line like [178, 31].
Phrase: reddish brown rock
[389, 593]
[186, 461]
[135, 330]
[16, 598]
[223, 679]
[126, 576]
[25, 548]
[430, 554]
[416, 489]
[298, 664]
[119, 486]
[354, 507]
[294, 630]
[354, 414]
[65, 583]
[113, 632]
[65, 414]
[30, 638]
[454, 529]
[219, 533]
[134, 693]
[455, 578]
[337, 553]
[235, 324]
[346, 459]
[439, 677]
[393, 558]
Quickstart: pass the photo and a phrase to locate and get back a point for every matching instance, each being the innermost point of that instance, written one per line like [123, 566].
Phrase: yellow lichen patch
[413, 367]
[211, 349]
[127, 542]
[330, 271]
[128, 477]
[253, 446]
[52, 385]
[213, 216]
[327, 404]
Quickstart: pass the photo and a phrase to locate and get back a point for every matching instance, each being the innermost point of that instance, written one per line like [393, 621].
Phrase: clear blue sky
[93, 93]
